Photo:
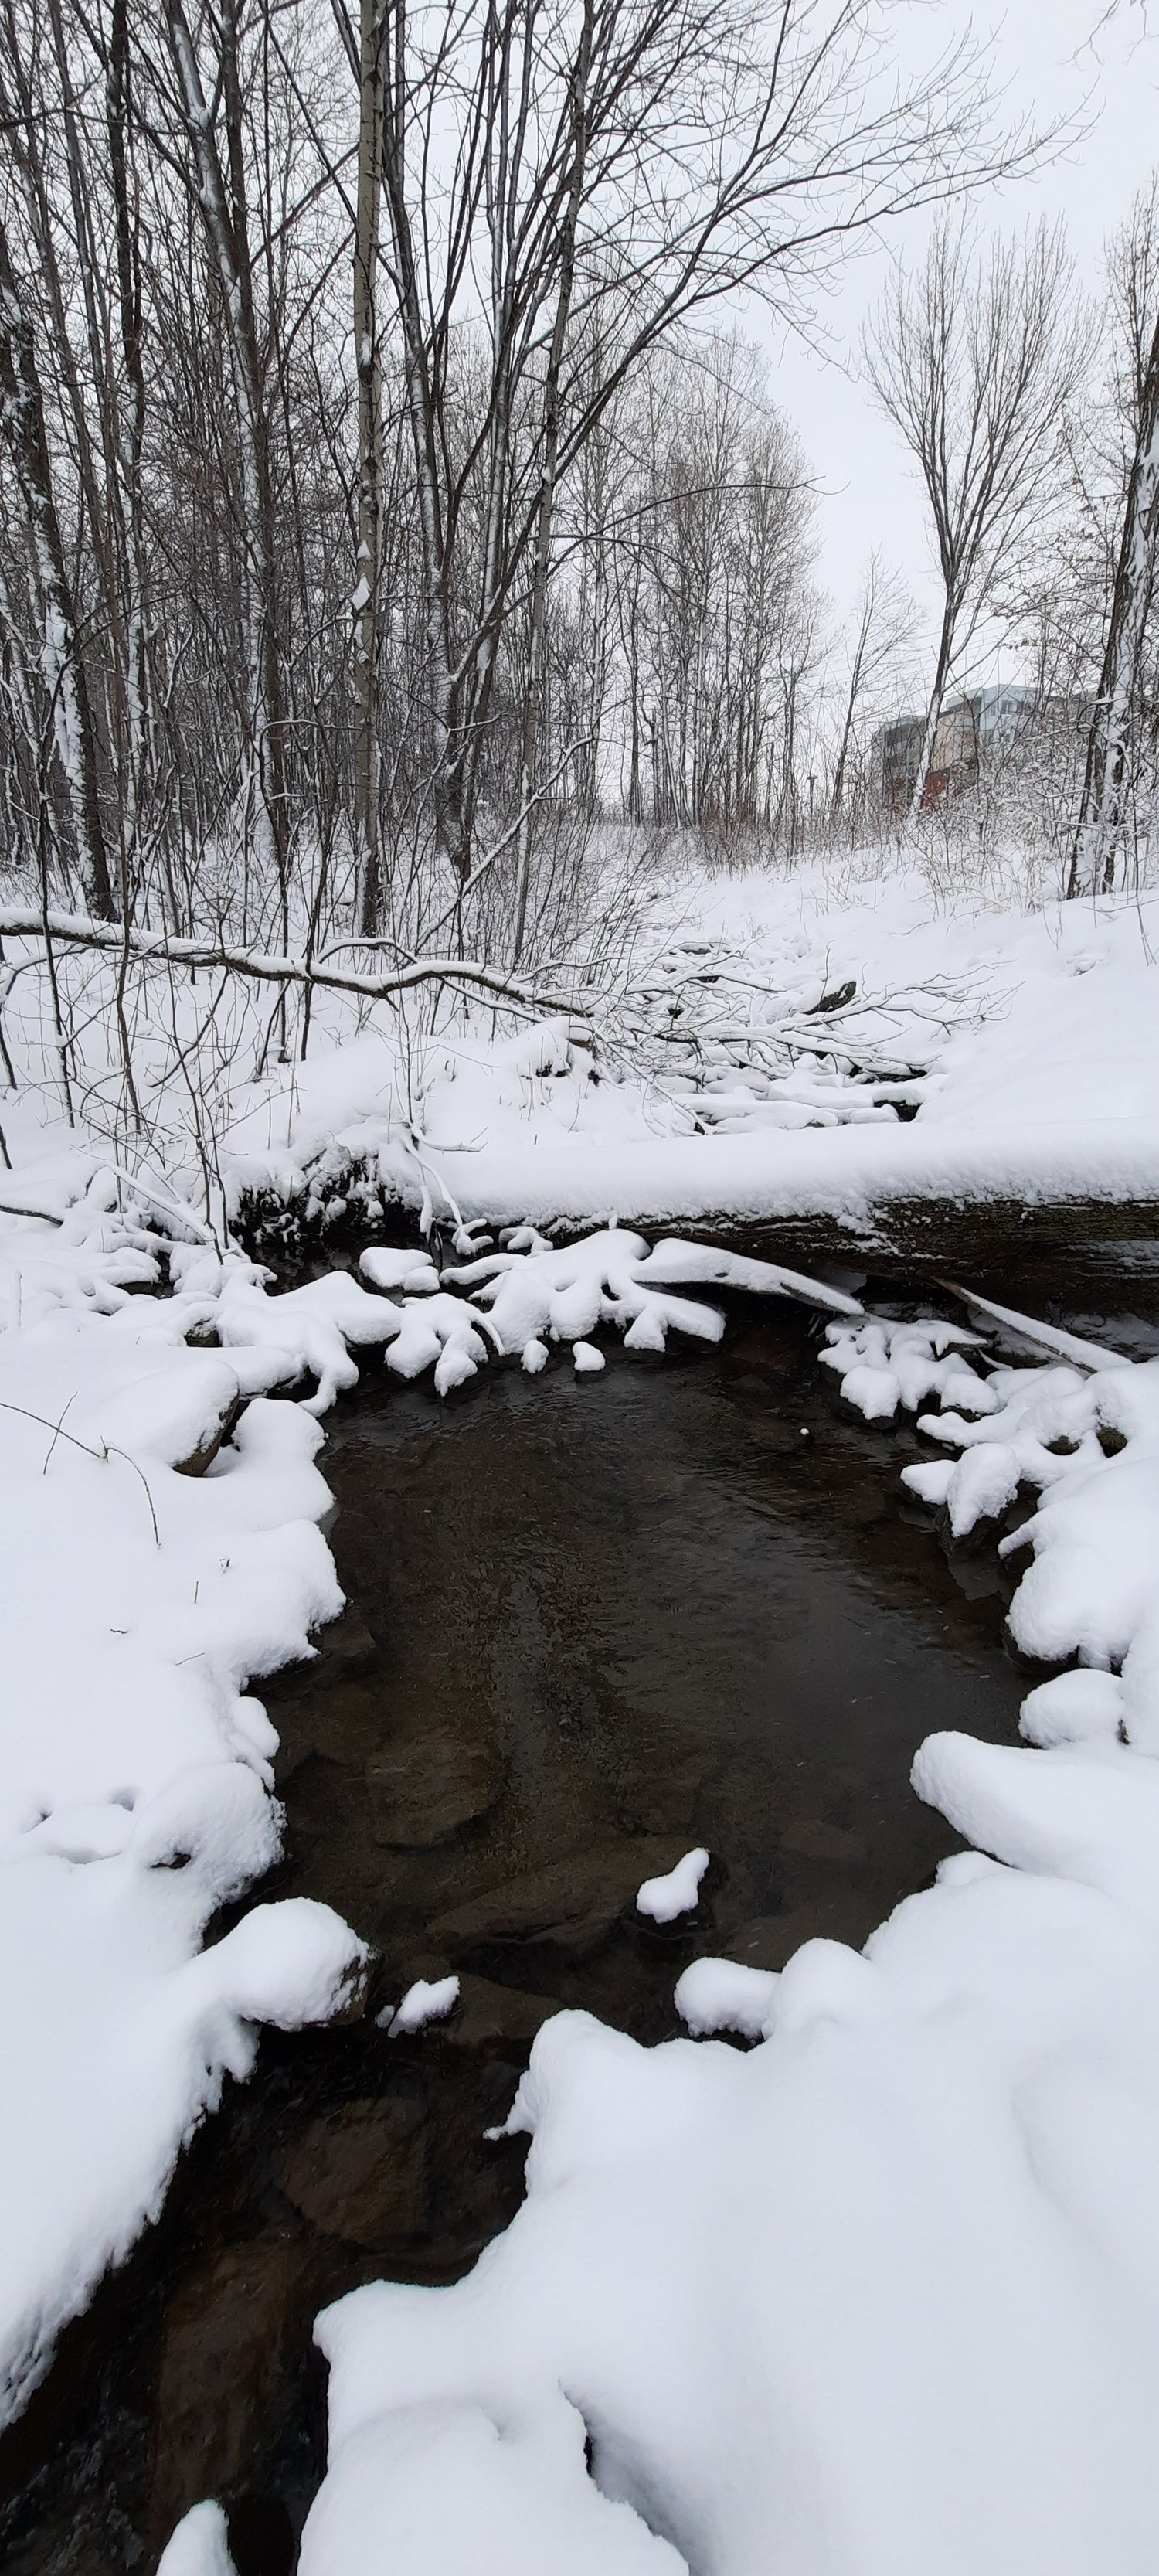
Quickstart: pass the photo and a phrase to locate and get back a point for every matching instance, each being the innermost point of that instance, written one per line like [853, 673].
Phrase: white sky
[1049, 57]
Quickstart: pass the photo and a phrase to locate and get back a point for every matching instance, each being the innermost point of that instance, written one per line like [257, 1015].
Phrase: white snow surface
[429, 1999]
[199, 2546]
[664, 1899]
[136, 1780]
[1025, 1045]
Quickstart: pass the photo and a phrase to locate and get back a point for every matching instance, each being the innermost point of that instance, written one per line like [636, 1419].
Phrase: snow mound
[153, 1562]
[664, 1899]
[422, 2003]
[445, 2485]
[199, 2546]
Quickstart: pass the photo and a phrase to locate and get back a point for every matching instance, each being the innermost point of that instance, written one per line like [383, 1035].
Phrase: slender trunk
[22, 420]
[934, 710]
[368, 567]
[130, 416]
[847, 727]
[446, 746]
[226, 234]
[1106, 784]
[579, 111]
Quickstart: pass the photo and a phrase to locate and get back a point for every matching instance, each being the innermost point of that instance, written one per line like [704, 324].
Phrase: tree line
[382, 493]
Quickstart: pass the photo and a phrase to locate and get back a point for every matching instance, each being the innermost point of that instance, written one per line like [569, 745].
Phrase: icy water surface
[592, 1622]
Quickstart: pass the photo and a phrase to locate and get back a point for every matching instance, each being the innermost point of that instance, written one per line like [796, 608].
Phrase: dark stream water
[591, 1622]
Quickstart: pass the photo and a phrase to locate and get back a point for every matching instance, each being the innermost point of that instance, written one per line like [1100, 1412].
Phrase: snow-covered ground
[1011, 1053]
[881, 2293]
[959, 1050]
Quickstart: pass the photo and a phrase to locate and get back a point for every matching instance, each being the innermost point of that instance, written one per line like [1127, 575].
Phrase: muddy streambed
[591, 1622]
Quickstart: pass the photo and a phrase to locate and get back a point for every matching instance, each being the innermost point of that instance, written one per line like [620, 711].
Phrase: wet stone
[360, 2172]
[420, 1793]
[495, 2016]
[232, 2335]
[570, 1906]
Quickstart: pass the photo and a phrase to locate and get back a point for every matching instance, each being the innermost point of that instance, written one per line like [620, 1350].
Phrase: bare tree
[542, 160]
[1103, 809]
[882, 635]
[22, 418]
[976, 363]
[220, 190]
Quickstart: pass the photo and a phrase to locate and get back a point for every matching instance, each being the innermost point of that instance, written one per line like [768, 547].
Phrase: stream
[591, 1622]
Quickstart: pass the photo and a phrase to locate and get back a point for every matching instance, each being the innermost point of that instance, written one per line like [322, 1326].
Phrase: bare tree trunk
[224, 218]
[934, 709]
[131, 415]
[850, 714]
[368, 568]
[22, 416]
[579, 119]
[1099, 834]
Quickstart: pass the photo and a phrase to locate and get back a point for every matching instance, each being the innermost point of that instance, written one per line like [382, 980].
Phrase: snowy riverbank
[778, 2353]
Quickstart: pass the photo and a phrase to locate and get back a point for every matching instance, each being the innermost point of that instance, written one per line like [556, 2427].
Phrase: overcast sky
[1050, 56]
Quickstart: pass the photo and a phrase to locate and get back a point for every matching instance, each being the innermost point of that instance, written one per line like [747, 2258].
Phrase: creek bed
[591, 1622]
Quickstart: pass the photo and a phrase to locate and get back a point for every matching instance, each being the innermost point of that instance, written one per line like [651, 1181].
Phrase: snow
[1026, 1045]
[444, 2487]
[536, 1296]
[199, 2546]
[149, 1573]
[720, 1994]
[877, 2290]
[791, 2292]
[677, 1893]
[425, 2001]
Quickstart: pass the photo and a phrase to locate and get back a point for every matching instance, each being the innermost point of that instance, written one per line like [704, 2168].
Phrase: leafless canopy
[976, 358]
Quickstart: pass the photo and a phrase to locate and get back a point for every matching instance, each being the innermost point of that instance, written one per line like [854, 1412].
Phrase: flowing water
[592, 1621]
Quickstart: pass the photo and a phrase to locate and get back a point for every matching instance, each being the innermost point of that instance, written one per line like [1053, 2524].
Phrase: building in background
[974, 732]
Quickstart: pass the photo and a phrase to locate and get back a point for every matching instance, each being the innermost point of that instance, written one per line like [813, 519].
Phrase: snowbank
[981, 1055]
[149, 1572]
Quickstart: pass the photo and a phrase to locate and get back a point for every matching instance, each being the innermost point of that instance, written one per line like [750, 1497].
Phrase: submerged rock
[572, 1905]
[360, 2173]
[421, 1792]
